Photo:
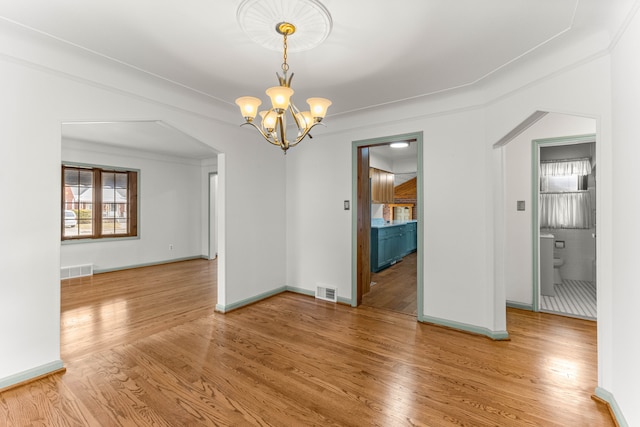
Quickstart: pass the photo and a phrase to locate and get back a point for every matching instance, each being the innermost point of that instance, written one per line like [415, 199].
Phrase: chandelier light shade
[280, 96]
[318, 107]
[248, 106]
[273, 125]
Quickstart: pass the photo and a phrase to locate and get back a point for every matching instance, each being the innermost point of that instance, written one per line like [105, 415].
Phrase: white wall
[458, 192]
[377, 210]
[464, 201]
[170, 209]
[459, 227]
[624, 344]
[318, 247]
[456, 221]
[379, 162]
[395, 165]
[208, 197]
[210, 213]
[518, 173]
[37, 99]
[584, 91]
[406, 165]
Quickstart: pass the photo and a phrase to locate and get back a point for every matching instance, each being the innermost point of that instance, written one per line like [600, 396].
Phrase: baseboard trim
[248, 301]
[342, 300]
[604, 396]
[309, 293]
[245, 302]
[300, 291]
[147, 264]
[464, 327]
[31, 375]
[476, 330]
[519, 305]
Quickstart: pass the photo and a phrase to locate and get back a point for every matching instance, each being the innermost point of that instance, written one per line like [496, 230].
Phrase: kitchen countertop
[391, 224]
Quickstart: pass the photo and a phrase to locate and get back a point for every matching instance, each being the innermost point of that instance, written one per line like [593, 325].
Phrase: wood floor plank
[395, 287]
[146, 347]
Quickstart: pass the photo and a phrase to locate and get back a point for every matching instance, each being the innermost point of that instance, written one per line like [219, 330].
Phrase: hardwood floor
[144, 347]
[395, 287]
[102, 311]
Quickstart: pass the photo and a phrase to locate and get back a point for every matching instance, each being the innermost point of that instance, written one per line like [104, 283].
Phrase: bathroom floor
[576, 298]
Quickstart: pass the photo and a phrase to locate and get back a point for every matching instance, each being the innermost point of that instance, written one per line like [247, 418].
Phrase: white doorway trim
[418, 137]
[536, 144]
[212, 219]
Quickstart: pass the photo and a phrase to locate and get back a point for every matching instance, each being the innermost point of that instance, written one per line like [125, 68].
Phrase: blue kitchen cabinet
[390, 243]
[410, 237]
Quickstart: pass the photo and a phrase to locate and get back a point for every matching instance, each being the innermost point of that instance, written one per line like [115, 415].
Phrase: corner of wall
[607, 398]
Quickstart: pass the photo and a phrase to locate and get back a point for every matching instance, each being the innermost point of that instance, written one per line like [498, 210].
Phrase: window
[564, 199]
[98, 203]
[563, 183]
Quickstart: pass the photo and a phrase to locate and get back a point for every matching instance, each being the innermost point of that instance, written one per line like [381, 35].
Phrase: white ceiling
[389, 153]
[392, 155]
[150, 136]
[378, 51]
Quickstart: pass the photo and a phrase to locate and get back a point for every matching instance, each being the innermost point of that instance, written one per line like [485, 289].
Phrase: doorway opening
[568, 138]
[387, 218]
[564, 187]
[213, 215]
[177, 172]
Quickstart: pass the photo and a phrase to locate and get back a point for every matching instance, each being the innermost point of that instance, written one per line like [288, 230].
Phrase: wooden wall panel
[406, 190]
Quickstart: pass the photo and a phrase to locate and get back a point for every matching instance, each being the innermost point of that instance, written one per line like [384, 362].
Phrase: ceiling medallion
[257, 18]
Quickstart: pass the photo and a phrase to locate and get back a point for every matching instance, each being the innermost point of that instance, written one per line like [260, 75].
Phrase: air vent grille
[327, 293]
[76, 271]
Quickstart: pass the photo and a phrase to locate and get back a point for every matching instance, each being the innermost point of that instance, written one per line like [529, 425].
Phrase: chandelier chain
[285, 66]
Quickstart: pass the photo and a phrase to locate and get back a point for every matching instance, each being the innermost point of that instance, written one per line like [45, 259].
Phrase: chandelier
[273, 126]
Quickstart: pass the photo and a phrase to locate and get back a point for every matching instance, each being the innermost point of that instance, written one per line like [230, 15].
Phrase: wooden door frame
[363, 223]
[361, 211]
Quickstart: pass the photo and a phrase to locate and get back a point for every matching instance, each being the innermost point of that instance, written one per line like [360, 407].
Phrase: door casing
[361, 231]
[535, 194]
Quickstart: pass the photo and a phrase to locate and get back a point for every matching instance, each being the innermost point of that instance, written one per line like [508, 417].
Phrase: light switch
[520, 205]
[346, 205]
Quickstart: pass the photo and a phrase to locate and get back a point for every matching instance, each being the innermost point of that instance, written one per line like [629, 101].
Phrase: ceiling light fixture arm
[273, 127]
[280, 138]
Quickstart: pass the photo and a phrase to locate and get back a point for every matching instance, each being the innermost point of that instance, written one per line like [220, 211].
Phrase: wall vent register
[76, 271]
[327, 293]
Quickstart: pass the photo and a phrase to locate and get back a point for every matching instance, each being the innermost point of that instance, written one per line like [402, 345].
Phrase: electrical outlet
[170, 246]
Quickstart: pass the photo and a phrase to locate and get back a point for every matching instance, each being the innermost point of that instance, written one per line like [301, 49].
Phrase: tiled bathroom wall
[579, 252]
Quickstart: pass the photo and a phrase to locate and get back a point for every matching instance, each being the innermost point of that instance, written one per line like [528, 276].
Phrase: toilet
[557, 263]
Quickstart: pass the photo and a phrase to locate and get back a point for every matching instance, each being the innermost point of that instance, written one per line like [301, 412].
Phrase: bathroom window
[564, 199]
[563, 183]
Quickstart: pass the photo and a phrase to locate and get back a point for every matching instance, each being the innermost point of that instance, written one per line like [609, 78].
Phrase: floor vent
[327, 293]
[76, 271]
